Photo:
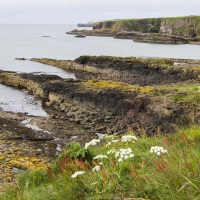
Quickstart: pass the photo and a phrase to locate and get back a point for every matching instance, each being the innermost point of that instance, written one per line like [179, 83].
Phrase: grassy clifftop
[185, 26]
[189, 26]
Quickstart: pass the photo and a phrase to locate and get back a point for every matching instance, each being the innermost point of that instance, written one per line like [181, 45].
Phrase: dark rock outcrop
[115, 93]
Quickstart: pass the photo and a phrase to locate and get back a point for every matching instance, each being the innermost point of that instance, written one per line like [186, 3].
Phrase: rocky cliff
[183, 26]
[174, 30]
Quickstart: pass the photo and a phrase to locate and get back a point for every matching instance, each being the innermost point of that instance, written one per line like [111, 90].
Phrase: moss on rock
[121, 86]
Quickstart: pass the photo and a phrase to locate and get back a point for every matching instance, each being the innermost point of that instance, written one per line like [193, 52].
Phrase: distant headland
[170, 30]
[86, 25]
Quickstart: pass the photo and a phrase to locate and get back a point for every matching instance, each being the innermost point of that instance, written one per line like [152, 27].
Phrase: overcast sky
[74, 11]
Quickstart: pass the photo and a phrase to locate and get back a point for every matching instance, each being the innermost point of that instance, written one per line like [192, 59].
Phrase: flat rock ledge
[154, 38]
[113, 94]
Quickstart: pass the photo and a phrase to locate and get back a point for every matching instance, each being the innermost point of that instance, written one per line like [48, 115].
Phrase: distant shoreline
[172, 30]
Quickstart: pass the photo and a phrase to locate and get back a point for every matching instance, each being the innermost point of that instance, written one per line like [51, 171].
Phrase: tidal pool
[17, 101]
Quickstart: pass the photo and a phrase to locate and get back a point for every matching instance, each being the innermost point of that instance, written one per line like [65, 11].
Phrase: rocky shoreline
[154, 38]
[109, 95]
[169, 30]
[21, 148]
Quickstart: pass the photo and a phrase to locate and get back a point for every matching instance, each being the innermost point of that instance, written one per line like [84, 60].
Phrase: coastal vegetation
[141, 25]
[120, 128]
[145, 109]
[169, 30]
[183, 93]
[187, 25]
[118, 167]
[16, 153]
[117, 86]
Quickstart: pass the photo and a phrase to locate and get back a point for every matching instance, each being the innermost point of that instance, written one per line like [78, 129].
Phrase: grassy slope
[180, 25]
[189, 93]
[174, 175]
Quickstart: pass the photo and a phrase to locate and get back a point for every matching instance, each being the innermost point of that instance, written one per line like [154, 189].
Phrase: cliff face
[185, 26]
[142, 25]
[182, 26]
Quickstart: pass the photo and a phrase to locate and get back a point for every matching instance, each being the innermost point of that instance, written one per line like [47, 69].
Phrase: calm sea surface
[27, 41]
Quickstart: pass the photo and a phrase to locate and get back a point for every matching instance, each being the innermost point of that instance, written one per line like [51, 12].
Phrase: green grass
[152, 25]
[173, 175]
[142, 25]
[186, 92]
[187, 25]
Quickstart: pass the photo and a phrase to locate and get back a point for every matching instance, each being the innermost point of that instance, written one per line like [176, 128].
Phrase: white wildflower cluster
[100, 157]
[96, 168]
[124, 154]
[77, 174]
[129, 138]
[115, 141]
[92, 143]
[158, 150]
[109, 143]
[125, 138]
[112, 151]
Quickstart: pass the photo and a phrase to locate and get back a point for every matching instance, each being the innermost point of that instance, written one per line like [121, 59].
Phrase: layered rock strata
[114, 94]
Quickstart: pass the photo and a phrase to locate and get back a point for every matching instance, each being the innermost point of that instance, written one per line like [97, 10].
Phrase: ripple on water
[17, 101]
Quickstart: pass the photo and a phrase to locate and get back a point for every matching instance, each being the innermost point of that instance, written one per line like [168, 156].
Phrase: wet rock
[109, 131]
[16, 170]
[77, 120]
[20, 59]
[130, 114]
[108, 118]
[115, 129]
[102, 128]
[85, 120]
[100, 119]
[71, 119]
[86, 127]
[62, 117]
